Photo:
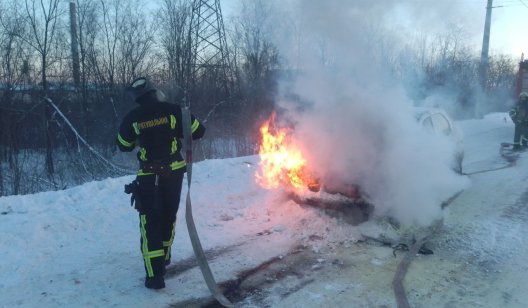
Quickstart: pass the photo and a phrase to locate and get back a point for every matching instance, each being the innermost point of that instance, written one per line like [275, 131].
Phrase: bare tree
[110, 23]
[12, 50]
[255, 27]
[174, 18]
[43, 21]
[87, 29]
[126, 39]
[135, 43]
[501, 73]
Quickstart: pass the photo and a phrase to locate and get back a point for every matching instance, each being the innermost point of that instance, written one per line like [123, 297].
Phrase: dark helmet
[141, 86]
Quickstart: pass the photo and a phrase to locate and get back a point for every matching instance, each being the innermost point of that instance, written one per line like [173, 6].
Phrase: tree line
[59, 115]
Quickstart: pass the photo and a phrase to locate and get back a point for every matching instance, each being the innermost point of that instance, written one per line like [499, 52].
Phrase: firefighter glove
[133, 189]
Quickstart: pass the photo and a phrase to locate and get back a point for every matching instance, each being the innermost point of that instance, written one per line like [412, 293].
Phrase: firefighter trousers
[160, 199]
[520, 137]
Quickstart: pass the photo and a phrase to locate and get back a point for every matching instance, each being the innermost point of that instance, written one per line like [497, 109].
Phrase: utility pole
[484, 59]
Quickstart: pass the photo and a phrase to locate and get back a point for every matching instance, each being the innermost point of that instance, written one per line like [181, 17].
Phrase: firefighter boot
[156, 282]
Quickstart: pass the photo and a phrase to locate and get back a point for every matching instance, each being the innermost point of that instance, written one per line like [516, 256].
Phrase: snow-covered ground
[80, 247]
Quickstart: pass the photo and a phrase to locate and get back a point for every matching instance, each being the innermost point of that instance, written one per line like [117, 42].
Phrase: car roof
[419, 112]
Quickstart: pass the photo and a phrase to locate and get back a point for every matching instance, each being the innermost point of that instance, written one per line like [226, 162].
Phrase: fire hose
[191, 228]
[401, 271]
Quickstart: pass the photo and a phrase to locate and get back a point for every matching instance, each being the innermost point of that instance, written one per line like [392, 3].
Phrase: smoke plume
[353, 114]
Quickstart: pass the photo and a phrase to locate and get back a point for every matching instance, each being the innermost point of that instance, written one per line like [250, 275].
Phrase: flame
[281, 159]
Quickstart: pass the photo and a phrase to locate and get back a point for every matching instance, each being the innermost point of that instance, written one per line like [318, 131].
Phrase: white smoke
[357, 123]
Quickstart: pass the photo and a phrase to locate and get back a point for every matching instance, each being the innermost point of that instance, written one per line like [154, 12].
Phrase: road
[478, 260]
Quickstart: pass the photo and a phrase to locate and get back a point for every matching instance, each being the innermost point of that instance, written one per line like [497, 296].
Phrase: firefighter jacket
[519, 113]
[156, 128]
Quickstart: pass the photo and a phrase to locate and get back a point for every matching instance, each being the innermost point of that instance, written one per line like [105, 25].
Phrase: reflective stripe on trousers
[147, 255]
[168, 244]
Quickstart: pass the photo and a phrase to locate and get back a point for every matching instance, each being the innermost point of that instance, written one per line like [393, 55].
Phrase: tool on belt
[133, 189]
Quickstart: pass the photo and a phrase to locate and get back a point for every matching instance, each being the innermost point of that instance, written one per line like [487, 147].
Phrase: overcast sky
[508, 28]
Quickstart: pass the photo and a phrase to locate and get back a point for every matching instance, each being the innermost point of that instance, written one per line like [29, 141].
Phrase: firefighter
[519, 116]
[155, 127]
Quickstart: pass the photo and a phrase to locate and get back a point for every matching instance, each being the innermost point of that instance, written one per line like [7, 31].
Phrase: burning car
[284, 165]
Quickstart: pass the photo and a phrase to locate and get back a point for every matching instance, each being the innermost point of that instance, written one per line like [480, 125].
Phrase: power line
[511, 5]
[523, 3]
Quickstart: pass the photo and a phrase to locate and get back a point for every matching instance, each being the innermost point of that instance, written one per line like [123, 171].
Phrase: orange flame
[281, 160]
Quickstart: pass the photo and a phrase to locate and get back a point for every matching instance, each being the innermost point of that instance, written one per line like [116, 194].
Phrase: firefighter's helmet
[523, 95]
[141, 86]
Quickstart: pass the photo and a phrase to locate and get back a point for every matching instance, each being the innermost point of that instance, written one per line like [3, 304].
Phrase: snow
[80, 247]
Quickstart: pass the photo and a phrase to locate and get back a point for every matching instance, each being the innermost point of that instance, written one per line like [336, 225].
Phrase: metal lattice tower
[208, 39]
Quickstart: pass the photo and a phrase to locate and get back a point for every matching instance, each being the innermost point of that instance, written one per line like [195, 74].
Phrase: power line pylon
[208, 42]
